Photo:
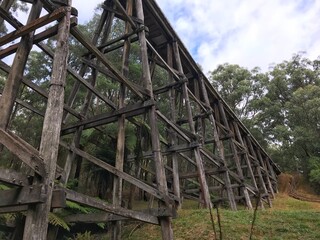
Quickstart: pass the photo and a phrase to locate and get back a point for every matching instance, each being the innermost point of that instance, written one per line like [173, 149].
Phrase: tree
[242, 90]
[280, 108]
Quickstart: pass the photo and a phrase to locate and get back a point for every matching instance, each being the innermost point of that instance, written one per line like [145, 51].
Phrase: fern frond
[4, 187]
[55, 220]
[76, 206]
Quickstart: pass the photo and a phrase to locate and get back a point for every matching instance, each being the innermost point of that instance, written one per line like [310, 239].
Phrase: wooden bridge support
[190, 144]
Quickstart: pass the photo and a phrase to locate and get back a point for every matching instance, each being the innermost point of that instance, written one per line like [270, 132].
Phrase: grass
[288, 219]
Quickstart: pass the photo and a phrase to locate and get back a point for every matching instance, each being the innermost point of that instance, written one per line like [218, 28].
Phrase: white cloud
[245, 32]
[248, 33]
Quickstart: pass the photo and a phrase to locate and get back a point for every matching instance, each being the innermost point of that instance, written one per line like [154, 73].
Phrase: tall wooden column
[246, 156]
[266, 173]
[117, 182]
[173, 135]
[165, 222]
[262, 185]
[36, 224]
[237, 160]
[230, 193]
[200, 168]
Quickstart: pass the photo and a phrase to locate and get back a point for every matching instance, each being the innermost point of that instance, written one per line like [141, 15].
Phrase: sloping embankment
[294, 186]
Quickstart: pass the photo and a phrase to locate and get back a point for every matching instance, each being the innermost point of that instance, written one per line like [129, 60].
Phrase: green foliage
[4, 187]
[76, 208]
[56, 220]
[314, 165]
[290, 218]
[280, 108]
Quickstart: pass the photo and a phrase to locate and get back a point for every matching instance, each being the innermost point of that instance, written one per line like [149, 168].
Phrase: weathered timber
[165, 222]
[105, 118]
[22, 196]
[101, 205]
[94, 218]
[37, 218]
[11, 87]
[16, 146]
[202, 178]
[86, 43]
[40, 22]
[13, 177]
[50, 32]
[116, 172]
[120, 152]
[39, 90]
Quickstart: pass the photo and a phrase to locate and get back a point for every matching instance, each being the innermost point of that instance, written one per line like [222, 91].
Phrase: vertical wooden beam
[257, 165]
[165, 222]
[202, 177]
[117, 182]
[239, 168]
[246, 156]
[173, 135]
[266, 172]
[273, 174]
[37, 216]
[230, 193]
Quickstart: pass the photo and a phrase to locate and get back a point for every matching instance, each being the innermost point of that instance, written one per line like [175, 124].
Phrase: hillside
[288, 219]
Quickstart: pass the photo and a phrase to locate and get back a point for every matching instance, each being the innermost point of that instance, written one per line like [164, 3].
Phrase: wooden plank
[16, 146]
[173, 139]
[101, 205]
[13, 209]
[40, 22]
[94, 218]
[58, 201]
[101, 47]
[59, 171]
[13, 177]
[118, 173]
[22, 196]
[108, 73]
[79, 78]
[176, 128]
[86, 43]
[38, 89]
[50, 32]
[105, 118]
[167, 67]
[4, 13]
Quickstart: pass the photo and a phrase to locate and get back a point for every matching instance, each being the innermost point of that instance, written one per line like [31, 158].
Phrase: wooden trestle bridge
[198, 149]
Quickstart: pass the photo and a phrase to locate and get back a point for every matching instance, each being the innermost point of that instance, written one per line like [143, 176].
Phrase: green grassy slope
[288, 219]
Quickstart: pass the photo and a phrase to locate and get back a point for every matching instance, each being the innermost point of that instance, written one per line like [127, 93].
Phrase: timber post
[37, 216]
[165, 222]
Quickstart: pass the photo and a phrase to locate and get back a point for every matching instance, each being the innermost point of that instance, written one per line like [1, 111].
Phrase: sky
[250, 33]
